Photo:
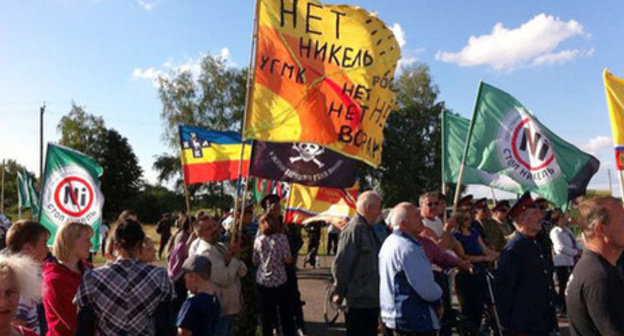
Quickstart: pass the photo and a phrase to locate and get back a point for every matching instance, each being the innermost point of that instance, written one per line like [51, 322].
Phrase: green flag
[27, 195]
[506, 138]
[70, 191]
[454, 133]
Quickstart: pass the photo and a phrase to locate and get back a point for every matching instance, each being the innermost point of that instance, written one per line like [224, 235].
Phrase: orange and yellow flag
[614, 88]
[323, 74]
[305, 202]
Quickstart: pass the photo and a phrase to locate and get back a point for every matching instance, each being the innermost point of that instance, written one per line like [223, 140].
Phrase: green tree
[411, 152]
[214, 100]
[122, 177]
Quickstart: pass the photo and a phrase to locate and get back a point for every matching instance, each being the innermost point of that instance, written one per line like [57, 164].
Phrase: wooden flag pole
[249, 88]
[460, 178]
[610, 182]
[187, 200]
[621, 186]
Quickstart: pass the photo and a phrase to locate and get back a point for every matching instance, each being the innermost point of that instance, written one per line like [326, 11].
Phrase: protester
[524, 288]
[200, 313]
[356, 267]
[432, 208]
[499, 216]
[104, 228]
[127, 297]
[29, 238]
[62, 277]
[227, 270]
[566, 251]
[595, 292]
[472, 289]
[177, 253]
[494, 235]
[332, 239]
[409, 296]
[481, 213]
[271, 253]
[314, 239]
[244, 236]
[163, 228]
[148, 251]
[19, 280]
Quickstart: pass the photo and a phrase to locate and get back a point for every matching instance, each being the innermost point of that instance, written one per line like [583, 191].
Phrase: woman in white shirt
[566, 252]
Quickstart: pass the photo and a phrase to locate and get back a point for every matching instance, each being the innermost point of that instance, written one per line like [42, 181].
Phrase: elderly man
[408, 294]
[524, 288]
[595, 291]
[355, 267]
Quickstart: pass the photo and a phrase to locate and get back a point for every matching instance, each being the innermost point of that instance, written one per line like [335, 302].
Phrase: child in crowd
[19, 279]
[199, 313]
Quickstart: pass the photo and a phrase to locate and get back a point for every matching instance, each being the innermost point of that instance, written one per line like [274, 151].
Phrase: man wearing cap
[356, 268]
[499, 215]
[494, 235]
[595, 293]
[525, 297]
[482, 213]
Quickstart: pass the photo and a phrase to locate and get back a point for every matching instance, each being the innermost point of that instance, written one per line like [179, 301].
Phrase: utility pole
[41, 111]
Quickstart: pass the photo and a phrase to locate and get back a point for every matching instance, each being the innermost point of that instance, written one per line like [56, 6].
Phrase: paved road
[313, 292]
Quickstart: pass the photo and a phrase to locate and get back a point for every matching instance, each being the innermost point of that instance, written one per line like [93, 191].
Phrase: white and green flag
[27, 195]
[454, 134]
[70, 191]
[506, 138]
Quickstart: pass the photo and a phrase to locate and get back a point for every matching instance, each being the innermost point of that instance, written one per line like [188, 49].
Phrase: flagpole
[463, 162]
[2, 195]
[621, 186]
[493, 195]
[610, 182]
[249, 87]
[187, 199]
[443, 158]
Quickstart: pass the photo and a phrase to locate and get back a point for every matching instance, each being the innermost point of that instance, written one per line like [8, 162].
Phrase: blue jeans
[224, 326]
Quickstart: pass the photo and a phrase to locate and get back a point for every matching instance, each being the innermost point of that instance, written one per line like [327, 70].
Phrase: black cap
[523, 203]
[541, 202]
[196, 263]
[501, 206]
[272, 198]
[465, 202]
[481, 203]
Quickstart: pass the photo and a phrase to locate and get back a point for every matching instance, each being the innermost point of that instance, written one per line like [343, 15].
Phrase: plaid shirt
[124, 296]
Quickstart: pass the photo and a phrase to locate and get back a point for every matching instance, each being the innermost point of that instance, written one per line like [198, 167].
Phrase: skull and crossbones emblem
[308, 152]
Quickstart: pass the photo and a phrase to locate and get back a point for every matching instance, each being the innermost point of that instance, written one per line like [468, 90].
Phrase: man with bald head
[355, 268]
[409, 296]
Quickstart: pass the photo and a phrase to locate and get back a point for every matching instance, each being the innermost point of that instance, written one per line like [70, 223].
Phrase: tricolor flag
[305, 202]
[210, 156]
[506, 138]
[614, 88]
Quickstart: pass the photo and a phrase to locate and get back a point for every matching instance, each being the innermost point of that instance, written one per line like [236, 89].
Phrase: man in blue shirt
[409, 297]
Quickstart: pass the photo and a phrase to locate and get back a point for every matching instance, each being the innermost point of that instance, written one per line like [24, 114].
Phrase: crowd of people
[509, 266]
[507, 260]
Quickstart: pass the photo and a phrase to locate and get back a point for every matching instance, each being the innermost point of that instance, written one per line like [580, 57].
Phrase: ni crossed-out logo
[525, 149]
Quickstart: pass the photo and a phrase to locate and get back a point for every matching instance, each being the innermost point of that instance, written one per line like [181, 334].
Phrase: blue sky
[104, 54]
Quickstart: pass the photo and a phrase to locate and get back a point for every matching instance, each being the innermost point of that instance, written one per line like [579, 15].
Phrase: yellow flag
[320, 202]
[614, 88]
[323, 74]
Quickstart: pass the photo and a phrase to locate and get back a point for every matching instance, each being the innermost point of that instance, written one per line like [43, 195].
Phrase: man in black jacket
[525, 296]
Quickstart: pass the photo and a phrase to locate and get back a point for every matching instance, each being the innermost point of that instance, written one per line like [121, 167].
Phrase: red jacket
[60, 285]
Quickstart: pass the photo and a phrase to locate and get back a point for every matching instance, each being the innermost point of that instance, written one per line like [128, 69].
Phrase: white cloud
[399, 34]
[531, 44]
[192, 65]
[597, 143]
[148, 5]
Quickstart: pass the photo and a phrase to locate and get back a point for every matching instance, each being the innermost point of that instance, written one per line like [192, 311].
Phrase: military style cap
[465, 202]
[481, 203]
[541, 202]
[501, 206]
[525, 202]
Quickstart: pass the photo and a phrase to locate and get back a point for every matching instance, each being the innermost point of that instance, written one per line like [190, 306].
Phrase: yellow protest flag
[305, 202]
[322, 74]
[614, 88]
